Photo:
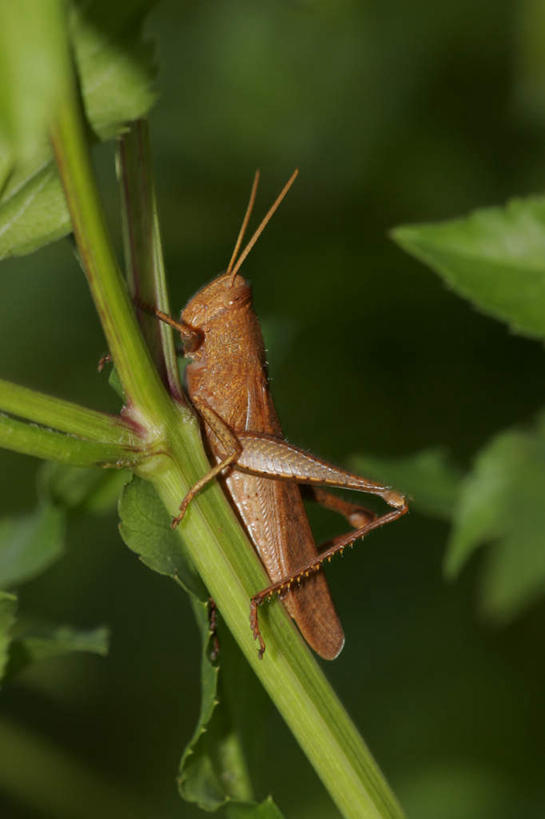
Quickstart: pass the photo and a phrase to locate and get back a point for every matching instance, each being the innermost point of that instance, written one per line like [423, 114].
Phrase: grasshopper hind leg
[327, 551]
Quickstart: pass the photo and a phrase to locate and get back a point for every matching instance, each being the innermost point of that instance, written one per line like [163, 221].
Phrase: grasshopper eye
[191, 339]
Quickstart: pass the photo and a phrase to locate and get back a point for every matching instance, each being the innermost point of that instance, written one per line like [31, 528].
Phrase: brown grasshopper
[226, 380]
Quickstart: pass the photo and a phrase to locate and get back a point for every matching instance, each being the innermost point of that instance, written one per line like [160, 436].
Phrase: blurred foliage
[116, 69]
[494, 257]
[428, 478]
[501, 500]
[8, 605]
[394, 115]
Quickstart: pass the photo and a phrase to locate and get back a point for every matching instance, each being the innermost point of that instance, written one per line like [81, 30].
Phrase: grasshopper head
[224, 294]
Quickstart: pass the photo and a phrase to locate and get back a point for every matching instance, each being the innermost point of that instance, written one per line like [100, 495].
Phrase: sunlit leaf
[494, 257]
[30, 543]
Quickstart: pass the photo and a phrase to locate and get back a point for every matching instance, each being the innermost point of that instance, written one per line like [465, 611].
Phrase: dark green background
[394, 112]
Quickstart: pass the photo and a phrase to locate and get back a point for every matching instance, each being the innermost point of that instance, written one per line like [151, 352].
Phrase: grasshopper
[261, 473]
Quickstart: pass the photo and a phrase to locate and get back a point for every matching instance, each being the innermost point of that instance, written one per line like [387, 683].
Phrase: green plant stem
[138, 376]
[65, 416]
[211, 534]
[56, 446]
[143, 250]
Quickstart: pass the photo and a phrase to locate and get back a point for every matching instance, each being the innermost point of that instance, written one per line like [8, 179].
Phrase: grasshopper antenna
[245, 221]
[266, 219]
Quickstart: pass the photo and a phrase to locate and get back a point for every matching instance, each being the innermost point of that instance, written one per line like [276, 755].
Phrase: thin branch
[56, 446]
[143, 250]
[65, 416]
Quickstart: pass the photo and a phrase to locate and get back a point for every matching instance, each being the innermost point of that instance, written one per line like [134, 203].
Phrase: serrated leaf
[266, 810]
[8, 607]
[428, 478]
[30, 543]
[502, 501]
[198, 778]
[54, 642]
[145, 528]
[116, 67]
[494, 257]
[213, 770]
[89, 489]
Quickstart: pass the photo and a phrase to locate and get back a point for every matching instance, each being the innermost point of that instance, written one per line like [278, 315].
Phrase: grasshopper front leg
[231, 448]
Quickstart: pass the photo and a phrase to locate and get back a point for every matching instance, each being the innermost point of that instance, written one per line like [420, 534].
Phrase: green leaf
[494, 257]
[89, 489]
[115, 383]
[30, 543]
[8, 606]
[502, 501]
[116, 67]
[31, 65]
[34, 214]
[214, 767]
[428, 478]
[266, 810]
[145, 528]
[213, 770]
[116, 63]
[54, 642]
[200, 777]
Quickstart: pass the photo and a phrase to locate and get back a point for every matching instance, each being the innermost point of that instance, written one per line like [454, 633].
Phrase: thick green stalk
[56, 446]
[64, 415]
